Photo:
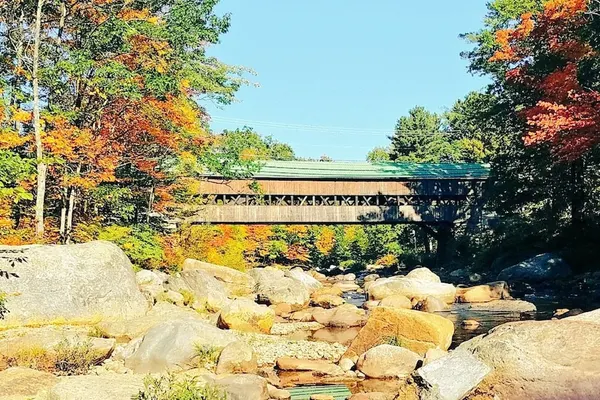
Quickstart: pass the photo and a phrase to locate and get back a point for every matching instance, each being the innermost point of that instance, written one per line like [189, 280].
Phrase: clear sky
[335, 75]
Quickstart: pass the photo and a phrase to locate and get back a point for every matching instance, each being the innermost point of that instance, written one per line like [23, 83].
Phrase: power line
[322, 129]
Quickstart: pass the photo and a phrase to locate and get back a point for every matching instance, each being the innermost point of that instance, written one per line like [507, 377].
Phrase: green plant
[75, 358]
[393, 340]
[169, 387]
[31, 357]
[97, 332]
[207, 356]
[188, 297]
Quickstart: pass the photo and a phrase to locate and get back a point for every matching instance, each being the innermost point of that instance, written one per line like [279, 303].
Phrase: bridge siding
[224, 214]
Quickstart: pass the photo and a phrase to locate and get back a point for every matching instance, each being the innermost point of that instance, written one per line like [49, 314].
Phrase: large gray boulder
[274, 287]
[238, 283]
[209, 293]
[80, 282]
[387, 361]
[540, 268]
[451, 377]
[412, 288]
[174, 344]
[305, 278]
[556, 359]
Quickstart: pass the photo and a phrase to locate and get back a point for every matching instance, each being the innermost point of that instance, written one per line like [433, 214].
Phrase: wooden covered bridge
[313, 192]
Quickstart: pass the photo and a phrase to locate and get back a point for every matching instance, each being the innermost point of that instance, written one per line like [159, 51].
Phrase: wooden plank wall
[343, 187]
[222, 214]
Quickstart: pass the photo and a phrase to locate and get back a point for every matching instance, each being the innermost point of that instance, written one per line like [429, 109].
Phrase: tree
[378, 154]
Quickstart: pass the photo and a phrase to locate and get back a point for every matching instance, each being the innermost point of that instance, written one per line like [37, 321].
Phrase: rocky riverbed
[83, 325]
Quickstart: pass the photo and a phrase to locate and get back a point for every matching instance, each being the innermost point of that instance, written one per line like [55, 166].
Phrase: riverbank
[82, 324]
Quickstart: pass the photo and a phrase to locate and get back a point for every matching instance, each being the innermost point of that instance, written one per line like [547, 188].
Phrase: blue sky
[335, 75]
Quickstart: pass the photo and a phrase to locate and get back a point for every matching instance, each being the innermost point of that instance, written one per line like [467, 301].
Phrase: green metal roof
[364, 170]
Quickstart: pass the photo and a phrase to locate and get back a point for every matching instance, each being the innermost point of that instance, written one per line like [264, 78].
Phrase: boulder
[318, 276]
[343, 336]
[433, 304]
[417, 331]
[590, 316]
[346, 286]
[540, 268]
[411, 288]
[209, 293]
[327, 301]
[371, 304]
[97, 387]
[424, 274]
[173, 344]
[247, 316]
[242, 387]
[307, 280]
[396, 301]
[125, 330]
[278, 394]
[319, 366]
[327, 290]
[434, 354]
[147, 277]
[387, 361]
[47, 338]
[346, 315]
[305, 315]
[238, 283]
[483, 293]
[80, 282]
[451, 377]
[516, 306]
[371, 278]
[346, 364]
[237, 358]
[555, 359]
[23, 383]
[274, 288]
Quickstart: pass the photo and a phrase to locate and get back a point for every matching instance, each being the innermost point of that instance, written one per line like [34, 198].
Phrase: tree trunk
[71, 208]
[444, 239]
[41, 166]
[63, 217]
[150, 204]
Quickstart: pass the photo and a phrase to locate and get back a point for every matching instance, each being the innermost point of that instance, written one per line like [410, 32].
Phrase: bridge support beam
[444, 238]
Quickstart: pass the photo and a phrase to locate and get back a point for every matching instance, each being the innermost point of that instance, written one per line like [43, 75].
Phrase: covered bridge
[314, 192]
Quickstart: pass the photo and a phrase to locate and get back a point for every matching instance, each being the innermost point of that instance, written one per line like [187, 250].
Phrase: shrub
[31, 357]
[188, 297]
[207, 356]
[170, 387]
[75, 358]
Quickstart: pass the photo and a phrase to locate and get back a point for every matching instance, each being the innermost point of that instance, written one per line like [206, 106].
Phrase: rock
[146, 277]
[303, 315]
[396, 301]
[344, 316]
[590, 316]
[371, 277]
[46, 338]
[319, 366]
[20, 382]
[540, 359]
[475, 277]
[327, 290]
[321, 396]
[283, 310]
[434, 354]
[470, 324]
[451, 377]
[570, 313]
[173, 344]
[483, 293]
[80, 282]
[173, 297]
[327, 301]
[242, 387]
[97, 387]
[278, 394]
[343, 336]
[559, 312]
[209, 293]
[371, 304]
[273, 287]
[349, 277]
[346, 364]
[126, 330]
[411, 288]
[374, 396]
[433, 304]
[237, 358]
[415, 330]
[387, 361]
[424, 274]
[310, 283]
[460, 273]
[238, 283]
[517, 306]
[346, 286]
[318, 276]
[247, 316]
[540, 268]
